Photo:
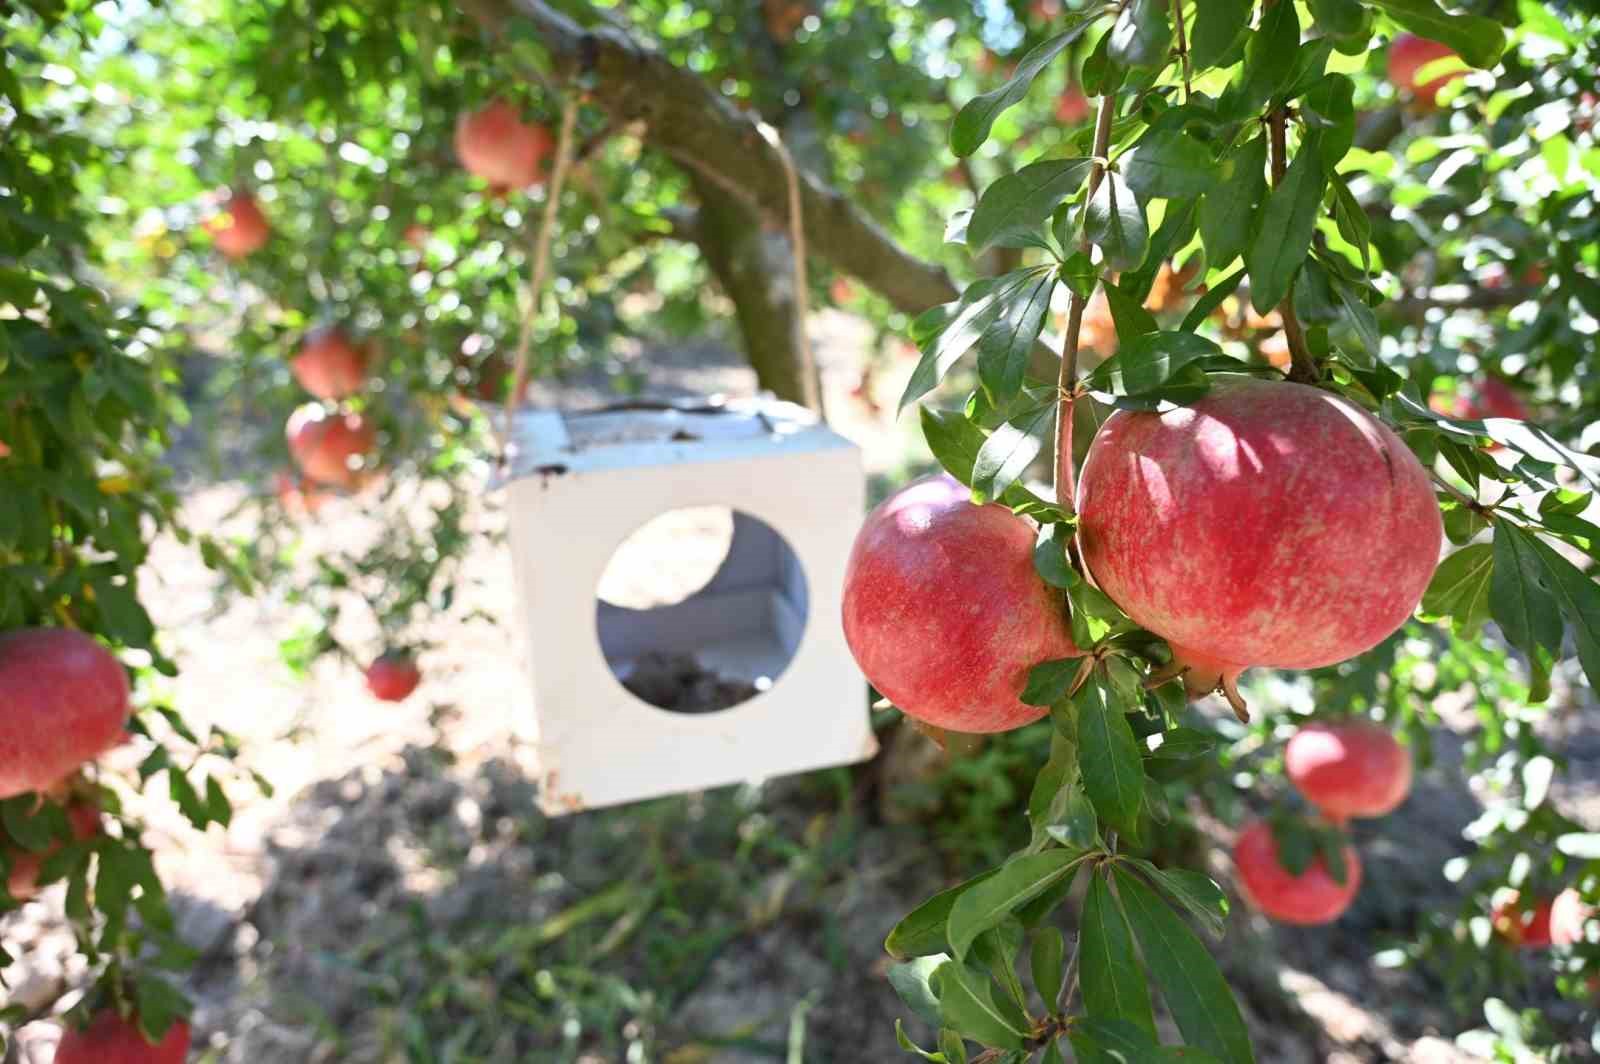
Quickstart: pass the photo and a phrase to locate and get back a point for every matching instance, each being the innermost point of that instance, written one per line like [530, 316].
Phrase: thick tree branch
[680, 115]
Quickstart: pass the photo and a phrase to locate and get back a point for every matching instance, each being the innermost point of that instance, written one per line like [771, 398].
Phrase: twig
[810, 380]
[1303, 368]
[1470, 503]
[1183, 48]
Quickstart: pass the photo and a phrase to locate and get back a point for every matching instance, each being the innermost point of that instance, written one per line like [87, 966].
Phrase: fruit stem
[1302, 367]
[1066, 488]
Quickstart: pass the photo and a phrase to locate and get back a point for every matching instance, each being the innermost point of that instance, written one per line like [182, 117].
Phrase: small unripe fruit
[113, 1039]
[329, 365]
[393, 677]
[1523, 928]
[945, 612]
[1407, 55]
[324, 445]
[241, 229]
[494, 143]
[1245, 529]
[1348, 770]
[1312, 897]
[63, 701]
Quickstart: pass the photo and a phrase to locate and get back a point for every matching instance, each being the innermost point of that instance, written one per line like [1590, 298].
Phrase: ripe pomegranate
[1312, 897]
[1072, 106]
[63, 701]
[297, 493]
[495, 144]
[944, 611]
[1245, 529]
[329, 365]
[1525, 928]
[1351, 769]
[393, 677]
[1409, 54]
[240, 229]
[112, 1039]
[1493, 397]
[23, 882]
[323, 445]
[1568, 914]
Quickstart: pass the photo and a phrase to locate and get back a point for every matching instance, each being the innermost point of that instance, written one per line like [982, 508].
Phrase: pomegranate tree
[111, 1038]
[1244, 529]
[330, 448]
[392, 677]
[330, 365]
[1314, 896]
[1348, 769]
[63, 701]
[943, 609]
[494, 143]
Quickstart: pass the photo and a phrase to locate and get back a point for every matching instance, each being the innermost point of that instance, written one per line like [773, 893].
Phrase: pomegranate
[329, 365]
[1312, 897]
[1525, 928]
[113, 1039]
[240, 229]
[1568, 915]
[944, 611]
[1352, 769]
[393, 677]
[325, 445]
[1244, 529]
[1409, 54]
[1493, 397]
[63, 701]
[495, 144]
[23, 882]
[1072, 106]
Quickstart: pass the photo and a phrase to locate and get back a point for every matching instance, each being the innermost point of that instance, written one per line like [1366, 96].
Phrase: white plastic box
[581, 483]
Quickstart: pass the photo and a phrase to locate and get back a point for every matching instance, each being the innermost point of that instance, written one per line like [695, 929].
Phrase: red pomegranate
[1246, 529]
[1493, 397]
[329, 365]
[325, 445]
[23, 882]
[1568, 915]
[1525, 928]
[944, 611]
[240, 228]
[1352, 769]
[1312, 897]
[63, 701]
[1409, 54]
[1072, 106]
[393, 677]
[112, 1039]
[494, 143]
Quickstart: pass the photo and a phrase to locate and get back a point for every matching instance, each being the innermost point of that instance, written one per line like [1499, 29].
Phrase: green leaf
[1227, 211]
[1108, 758]
[1214, 297]
[1284, 237]
[1129, 315]
[1269, 56]
[911, 981]
[1352, 220]
[1049, 681]
[1329, 109]
[1459, 589]
[921, 933]
[1520, 598]
[1007, 453]
[1020, 202]
[1196, 994]
[1579, 598]
[911, 1047]
[1052, 790]
[1148, 363]
[1113, 985]
[953, 1048]
[1218, 25]
[1142, 36]
[1167, 164]
[1050, 555]
[1115, 223]
[955, 442]
[1017, 882]
[1110, 1041]
[974, 122]
[1479, 41]
[967, 1005]
[1006, 344]
[1047, 963]
[1339, 18]
[1195, 891]
[1002, 316]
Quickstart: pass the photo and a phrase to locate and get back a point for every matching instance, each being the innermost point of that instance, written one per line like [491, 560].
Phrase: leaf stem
[1302, 368]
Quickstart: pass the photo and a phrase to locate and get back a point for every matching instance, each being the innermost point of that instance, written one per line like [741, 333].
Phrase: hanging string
[810, 379]
[541, 261]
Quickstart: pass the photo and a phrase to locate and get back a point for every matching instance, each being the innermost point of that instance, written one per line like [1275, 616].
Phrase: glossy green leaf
[1218, 25]
[1269, 56]
[1459, 589]
[1149, 362]
[1108, 758]
[921, 932]
[912, 981]
[1008, 452]
[1228, 212]
[1579, 599]
[967, 1005]
[1113, 985]
[1142, 34]
[1478, 40]
[1520, 597]
[1115, 223]
[1020, 202]
[1287, 222]
[1169, 163]
[1047, 961]
[974, 121]
[1016, 883]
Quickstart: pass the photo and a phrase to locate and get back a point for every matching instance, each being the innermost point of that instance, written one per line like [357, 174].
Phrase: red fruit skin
[393, 677]
[241, 229]
[1495, 398]
[1072, 107]
[1525, 929]
[1409, 54]
[322, 445]
[23, 882]
[496, 145]
[63, 701]
[1568, 915]
[111, 1039]
[329, 365]
[1312, 897]
[944, 611]
[1349, 770]
[1270, 523]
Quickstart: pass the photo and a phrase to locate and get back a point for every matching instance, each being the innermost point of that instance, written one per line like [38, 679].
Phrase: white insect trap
[762, 638]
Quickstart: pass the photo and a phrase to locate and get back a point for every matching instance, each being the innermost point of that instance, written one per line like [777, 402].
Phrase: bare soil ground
[400, 897]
